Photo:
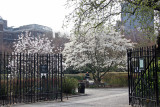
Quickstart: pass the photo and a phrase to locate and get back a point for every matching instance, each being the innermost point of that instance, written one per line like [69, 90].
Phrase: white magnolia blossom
[27, 47]
[99, 48]
[30, 44]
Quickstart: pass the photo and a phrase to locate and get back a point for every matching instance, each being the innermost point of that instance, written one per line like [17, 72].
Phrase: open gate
[143, 76]
[30, 77]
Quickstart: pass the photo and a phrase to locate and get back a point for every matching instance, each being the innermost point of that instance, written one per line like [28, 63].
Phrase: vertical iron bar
[4, 78]
[27, 81]
[133, 71]
[34, 77]
[7, 76]
[31, 75]
[37, 78]
[139, 72]
[40, 77]
[153, 68]
[141, 49]
[145, 71]
[156, 64]
[52, 76]
[148, 82]
[58, 75]
[10, 79]
[142, 82]
[16, 88]
[128, 63]
[131, 76]
[23, 74]
[49, 71]
[56, 59]
[1, 73]
[61, 77]
[47, 78]
[20, 78]
[149, 72]
[49, 81]
[14, 80]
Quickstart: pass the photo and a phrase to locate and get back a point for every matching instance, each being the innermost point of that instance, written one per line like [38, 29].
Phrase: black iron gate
[143, 76]
[30, 77]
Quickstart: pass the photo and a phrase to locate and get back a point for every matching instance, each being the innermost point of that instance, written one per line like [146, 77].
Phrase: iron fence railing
[30, 77]
[143, 76]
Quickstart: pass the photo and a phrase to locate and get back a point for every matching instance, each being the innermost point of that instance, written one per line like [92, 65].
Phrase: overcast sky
[49, 13]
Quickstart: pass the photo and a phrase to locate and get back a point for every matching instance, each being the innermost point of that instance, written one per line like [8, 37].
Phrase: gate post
[156, 69]
[128, 60]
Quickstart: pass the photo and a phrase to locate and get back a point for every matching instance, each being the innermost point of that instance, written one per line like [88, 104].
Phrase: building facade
[136, 26]
[9, 35]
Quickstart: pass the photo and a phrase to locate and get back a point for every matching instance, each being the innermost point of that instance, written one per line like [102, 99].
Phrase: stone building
[138, 27]
[9, 35]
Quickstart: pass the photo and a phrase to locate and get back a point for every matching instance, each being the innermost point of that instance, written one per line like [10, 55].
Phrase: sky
[49, 13]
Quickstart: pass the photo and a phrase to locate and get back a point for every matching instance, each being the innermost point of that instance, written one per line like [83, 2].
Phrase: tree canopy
[99, 51]
[29, 44]
[88, 14]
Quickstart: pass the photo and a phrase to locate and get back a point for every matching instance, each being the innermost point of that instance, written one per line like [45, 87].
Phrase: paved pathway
[104, 97]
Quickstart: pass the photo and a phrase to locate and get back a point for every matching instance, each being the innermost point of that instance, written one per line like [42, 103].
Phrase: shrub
[3, 90]
[71, 70]
[116, 79]
[76, 76]
[69, 85]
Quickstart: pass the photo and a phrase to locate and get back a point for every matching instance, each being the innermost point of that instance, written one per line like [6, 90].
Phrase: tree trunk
[97, 81]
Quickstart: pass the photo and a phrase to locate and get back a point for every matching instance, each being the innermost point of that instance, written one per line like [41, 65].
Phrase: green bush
[3, 90]
[69, 85]
[116, 79]
[71, 70]
[75, 76]
[151, 78]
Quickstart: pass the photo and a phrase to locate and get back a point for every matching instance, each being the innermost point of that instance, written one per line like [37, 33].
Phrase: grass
[116, 79]
[79, 77]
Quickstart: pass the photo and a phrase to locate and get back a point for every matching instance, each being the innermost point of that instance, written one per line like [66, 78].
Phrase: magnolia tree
[98, 51]
[30, 44]
[26, 50]
[88, 14]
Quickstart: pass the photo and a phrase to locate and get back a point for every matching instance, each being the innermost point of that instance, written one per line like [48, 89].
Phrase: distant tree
[92, 14]
[99, 51]
[100, 12]
[59, 40]
[140, 38]
[30, 44]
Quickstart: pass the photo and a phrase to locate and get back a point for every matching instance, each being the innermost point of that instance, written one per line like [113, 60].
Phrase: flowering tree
[98, 51]
[29, 44]
[95, 13]
[91, 14]
[27, 50]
